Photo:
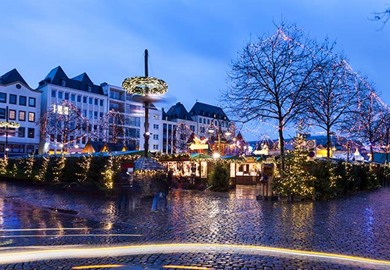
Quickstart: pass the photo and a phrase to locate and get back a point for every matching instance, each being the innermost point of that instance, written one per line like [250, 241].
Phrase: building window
[192, 128]
[31, 117]
[2, 113]
[67, 96]
[155, 126]
[12, 115]
[60, 94]
[22, 116]
[95, 115]
[3, 97]
[31, 133]
[200, 120]
[96, 101]
[12, 99]
[84, 99]
[155, 136]
[101, 102]
[31, 102]
[78, 98]
[90, 100]
[23, 100]
[89, 88]
[155, 146]
[63, 82]
[73, 97]
[53, 93]
[21, 132]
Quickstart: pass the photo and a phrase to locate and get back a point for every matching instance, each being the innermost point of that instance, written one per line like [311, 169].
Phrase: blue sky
[191, 43]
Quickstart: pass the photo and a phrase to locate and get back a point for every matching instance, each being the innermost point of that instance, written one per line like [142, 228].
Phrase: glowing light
[216, 155]
[145, 85]
[95, 252]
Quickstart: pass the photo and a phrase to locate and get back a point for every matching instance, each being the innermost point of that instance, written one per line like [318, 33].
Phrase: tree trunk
[281, 145]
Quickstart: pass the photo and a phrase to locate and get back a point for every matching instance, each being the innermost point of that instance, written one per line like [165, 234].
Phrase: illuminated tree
[369, 118]
[64, 123]
[333, 97]
[182, 134]
[271, 77]
[109, 128]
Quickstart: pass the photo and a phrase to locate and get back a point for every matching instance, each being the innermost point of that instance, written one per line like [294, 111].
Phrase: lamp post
[147, 89]
[7, 124]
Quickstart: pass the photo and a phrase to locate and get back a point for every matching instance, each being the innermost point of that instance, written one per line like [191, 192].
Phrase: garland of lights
[11, 124]
[138, 85]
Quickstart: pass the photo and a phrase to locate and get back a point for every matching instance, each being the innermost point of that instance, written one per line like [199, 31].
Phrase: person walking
[161, 188]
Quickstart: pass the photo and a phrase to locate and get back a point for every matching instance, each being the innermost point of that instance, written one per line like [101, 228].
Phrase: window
[12, 99]
[60, 94]
[63, 82]
[31, 102]
[96, 101]
[53, 93]
[2, 113]
[155, 136]
[85, 113]
[31, 133]
[3, 97]
[21, 132]
[95, 115]
[101, 102]
[23, 100]
[67, 96]
[78, 98]
[73, 97]
[155, 126]
[31, 117]
[90, 100]
[200, 120]
[12, 115]
[155, 146]
[84, 99]
[22, 116]
[192, 128]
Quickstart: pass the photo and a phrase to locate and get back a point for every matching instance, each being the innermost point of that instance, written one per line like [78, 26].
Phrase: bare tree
[270, 79]
[63, 124]
[382, 16]
[334, 95]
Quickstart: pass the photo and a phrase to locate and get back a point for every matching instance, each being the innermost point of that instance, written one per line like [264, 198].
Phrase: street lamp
[7, 124]
[148, 89]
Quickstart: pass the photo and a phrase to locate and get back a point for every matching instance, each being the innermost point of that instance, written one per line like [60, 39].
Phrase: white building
[80, 91]
[19, 104]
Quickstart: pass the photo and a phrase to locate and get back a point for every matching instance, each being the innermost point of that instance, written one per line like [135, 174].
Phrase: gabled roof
[82, 82]
[207, 110]
[177, 111]
[11, 77]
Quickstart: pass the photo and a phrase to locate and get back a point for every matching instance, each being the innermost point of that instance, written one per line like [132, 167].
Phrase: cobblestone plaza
[47, 229]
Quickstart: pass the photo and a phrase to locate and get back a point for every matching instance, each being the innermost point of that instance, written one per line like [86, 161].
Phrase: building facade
[64, 113]
[19, 115]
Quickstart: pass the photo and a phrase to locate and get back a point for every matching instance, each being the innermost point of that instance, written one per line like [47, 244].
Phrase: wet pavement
[202, 230]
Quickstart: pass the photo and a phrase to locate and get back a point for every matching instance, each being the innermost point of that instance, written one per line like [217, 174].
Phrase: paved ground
[42, 229]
